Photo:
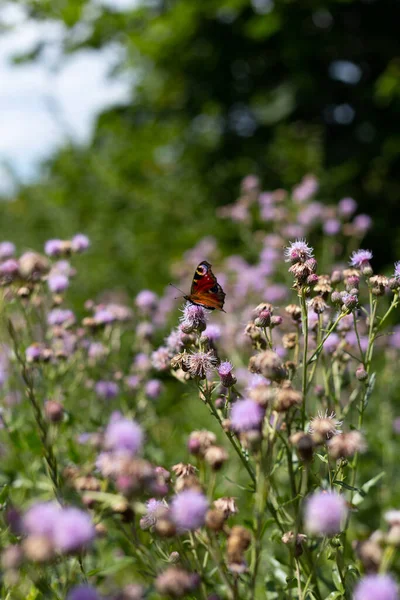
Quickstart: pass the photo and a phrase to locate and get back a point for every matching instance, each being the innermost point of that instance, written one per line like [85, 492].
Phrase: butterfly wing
[205, 290]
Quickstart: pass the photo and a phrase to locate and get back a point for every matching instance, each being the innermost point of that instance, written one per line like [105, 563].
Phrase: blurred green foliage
[220, 89]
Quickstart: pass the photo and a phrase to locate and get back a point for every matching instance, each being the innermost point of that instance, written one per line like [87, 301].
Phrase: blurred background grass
[218, 89]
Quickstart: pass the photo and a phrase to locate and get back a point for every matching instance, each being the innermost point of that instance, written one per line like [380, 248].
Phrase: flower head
[7, 250]
[107, 389]
[41, 518]
[60, 316]
[225, 372]
[346, 207]
[123, 435]
[376, 587]
[80, 242]
[188, 509]
[54, 247]
[146, 301]
[83, 592]
[362, 223]
[193, 318]
[397, 269]
[57, 283]
[324, 426]
[246, 415]
[298, 252]
[360, 258]
[201, 363]
[160, 359]
[154, 509]
[331, 226]
[73, 530]
[153, 388]
[325, 513]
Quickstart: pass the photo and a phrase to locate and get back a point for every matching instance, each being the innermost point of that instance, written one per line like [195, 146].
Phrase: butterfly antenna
[179, 290]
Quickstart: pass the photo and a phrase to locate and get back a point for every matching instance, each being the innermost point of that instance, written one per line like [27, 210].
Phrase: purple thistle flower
[142, 362]
[57, 283]
[346, 207]
[397, 269]
[103, 316]
[97, 350]
[7, 250]
[246, 415]
[73, 530]
[80, 242]
[153, 509]
[325, 513]
[132, 382]
[213, 332]
[160, 359]
[60, 316]
[362, 223]
[225, 372]
[41, 518]
[305, 189]
[107, 389]
[331, 227]
[360, 258]
[174, 341]
[146, 301]
[54, 247]
[123, 435]
[298, 251]
[9, 267]
[193, 318]
[83, 592]
[145, 330]
[376, 587]
[201, 363]
[33, 352]
[188, 509]
[153, 389]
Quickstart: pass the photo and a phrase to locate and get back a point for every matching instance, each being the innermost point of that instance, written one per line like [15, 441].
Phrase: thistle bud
[361, 373]
[276, 321]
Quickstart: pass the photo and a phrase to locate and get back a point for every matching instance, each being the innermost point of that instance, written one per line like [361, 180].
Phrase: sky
[43, 104]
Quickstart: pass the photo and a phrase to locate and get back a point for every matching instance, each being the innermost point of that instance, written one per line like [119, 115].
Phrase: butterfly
[205, 290]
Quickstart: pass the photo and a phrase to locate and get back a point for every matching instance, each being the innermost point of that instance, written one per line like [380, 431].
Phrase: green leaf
[322, 458]
[334, 596]
[360, 495]
[345, 485]
[336, 580]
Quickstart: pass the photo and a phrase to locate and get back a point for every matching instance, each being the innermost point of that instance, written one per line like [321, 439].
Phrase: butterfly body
[205, 290]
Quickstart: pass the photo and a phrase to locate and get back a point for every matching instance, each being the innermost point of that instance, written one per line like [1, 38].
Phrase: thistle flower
[298, 252]
[57, 283]
[60, 316]
[176, 583]
[54, 247]
[123, 435]
[305, 189]
[346, 207]
[83, 592]
[80, 242]
[246, 415]
[7, 250]
[153, 388]
[146, 301]
[200, 364]
[160, 359]
[154, 509]
[193, 318]
[396, 273]
[345, 445]
[107, 389]
[325, 513]
[188, 510]
[73, 530]
[360, 258]
[376, 587]
[324, 426]
[200, 441]
[225, 373]
[227, 506]
[331, 226]
[213, 332]
[361, 223]
[40, 518]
